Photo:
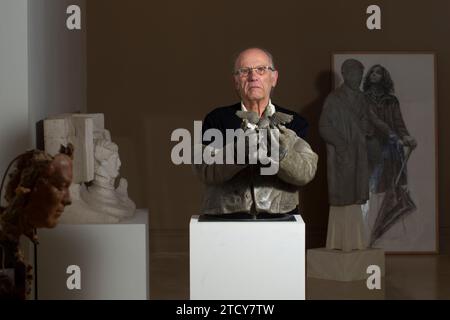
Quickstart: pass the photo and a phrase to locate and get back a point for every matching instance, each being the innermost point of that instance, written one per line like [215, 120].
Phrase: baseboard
[177, 240]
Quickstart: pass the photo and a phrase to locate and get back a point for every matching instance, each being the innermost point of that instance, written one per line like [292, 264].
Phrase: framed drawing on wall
[401, 215]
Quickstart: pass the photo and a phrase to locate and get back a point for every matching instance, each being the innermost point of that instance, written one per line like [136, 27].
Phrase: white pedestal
[113, 259]
[247, 260]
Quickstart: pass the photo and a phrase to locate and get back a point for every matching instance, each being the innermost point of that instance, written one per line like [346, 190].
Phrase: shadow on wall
[173, 193]
[314, 197]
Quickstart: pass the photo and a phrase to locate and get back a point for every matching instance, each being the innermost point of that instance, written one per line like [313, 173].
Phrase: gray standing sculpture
[344, 126]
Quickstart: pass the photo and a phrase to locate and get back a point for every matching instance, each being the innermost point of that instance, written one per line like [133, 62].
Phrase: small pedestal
[343, 266]
[247, 260]
[113, 259]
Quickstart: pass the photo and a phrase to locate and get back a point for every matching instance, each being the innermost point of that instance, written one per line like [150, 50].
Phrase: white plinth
[113, 259]
[339, 265]
[247, 260]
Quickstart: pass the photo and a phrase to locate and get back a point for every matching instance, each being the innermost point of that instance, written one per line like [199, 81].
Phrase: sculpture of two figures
[360, 129]
[95, 197]
[343, 125]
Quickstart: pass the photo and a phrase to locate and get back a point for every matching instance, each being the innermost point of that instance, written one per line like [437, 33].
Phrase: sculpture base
[339, 265]
[238, 260]
[267, 217]
[113, 260]
[319, 289]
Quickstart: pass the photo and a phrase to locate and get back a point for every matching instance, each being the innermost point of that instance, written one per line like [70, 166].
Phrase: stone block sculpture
[95, 197]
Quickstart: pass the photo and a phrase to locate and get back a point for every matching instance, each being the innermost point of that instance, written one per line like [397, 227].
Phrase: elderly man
[241, 188]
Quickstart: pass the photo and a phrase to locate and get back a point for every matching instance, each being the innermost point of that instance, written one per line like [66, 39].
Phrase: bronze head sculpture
[36, 194]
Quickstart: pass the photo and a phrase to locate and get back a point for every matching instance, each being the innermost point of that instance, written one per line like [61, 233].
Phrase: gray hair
[268, 54]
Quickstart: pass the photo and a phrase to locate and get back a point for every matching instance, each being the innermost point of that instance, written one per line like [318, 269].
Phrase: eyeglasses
[244, 72]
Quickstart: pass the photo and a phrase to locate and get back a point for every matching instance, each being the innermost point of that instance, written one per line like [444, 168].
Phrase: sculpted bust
[101, 201]
[35, 197]
[102, 194]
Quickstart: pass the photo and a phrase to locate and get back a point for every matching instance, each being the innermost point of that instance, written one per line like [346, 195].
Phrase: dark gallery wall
[155, 66]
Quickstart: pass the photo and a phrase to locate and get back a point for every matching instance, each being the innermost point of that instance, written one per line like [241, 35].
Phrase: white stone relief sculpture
[102, 195]
[77, 129]
[95, 197]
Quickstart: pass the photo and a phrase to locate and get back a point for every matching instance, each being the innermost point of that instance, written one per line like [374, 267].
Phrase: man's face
[51, 194]
[353, 77]
[254, 87]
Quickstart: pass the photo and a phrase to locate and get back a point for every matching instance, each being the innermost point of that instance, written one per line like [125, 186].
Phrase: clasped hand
[267, 146]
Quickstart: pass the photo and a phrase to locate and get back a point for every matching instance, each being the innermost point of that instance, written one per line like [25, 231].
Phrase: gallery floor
[407, 277]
